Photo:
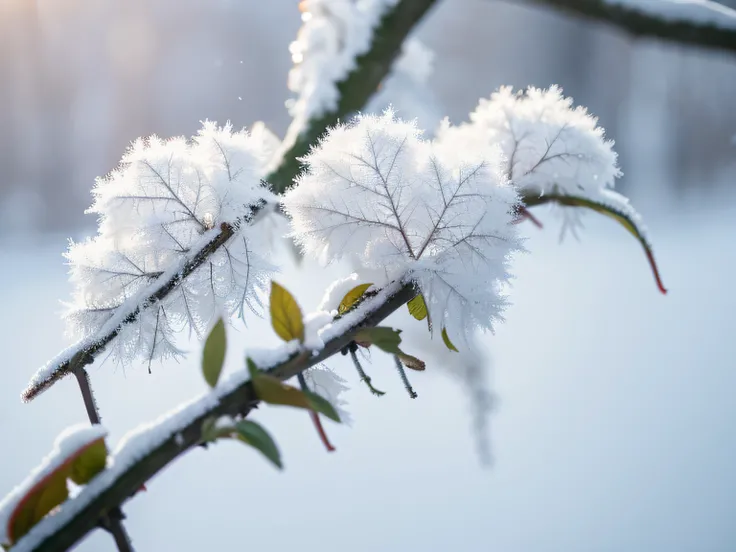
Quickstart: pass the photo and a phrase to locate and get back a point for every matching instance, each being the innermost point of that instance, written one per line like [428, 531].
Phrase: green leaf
[209, 431]
[213, 355]
[622, 218]
[322, 405]
[212, 431]
[272, 390]
[385, 338]
[447, 341]
[286, 316]
[253, 434]
[352, 297]
[89, 461]
[417, 307]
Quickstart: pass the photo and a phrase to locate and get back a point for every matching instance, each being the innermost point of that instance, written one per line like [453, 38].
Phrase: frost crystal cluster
[165, 202]
[551, 147]
[403, 208]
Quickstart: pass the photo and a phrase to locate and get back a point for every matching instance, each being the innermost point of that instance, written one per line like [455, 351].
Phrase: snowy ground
[615, 428]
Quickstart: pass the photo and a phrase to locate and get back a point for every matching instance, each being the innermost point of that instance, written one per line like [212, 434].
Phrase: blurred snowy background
[614, 426]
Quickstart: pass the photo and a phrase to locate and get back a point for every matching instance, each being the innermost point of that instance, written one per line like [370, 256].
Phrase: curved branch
[71, 523]
[643, 21]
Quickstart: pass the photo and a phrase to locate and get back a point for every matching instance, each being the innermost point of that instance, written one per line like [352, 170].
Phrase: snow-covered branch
[704, 23]
[342, 55]
[140, 288]
[145, 452]
[175, 248]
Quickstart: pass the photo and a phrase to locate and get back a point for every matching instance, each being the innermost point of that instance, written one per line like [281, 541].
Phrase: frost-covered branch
[148, 450]
[347, 75]
[85, 352]
[702, 23]
[143, 287]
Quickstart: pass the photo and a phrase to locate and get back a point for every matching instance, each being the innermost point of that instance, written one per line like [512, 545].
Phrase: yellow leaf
[89, 461]
[352, 297]
[213, 354]
[448, 343]
[286, 316]
[417, 307]
[43, 497]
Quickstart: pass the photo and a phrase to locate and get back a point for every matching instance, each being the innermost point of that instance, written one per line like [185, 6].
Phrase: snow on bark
[699, 12]
[334, 33]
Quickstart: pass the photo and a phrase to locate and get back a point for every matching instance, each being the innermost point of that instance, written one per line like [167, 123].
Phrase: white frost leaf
[164, 203]
[374, 192]
[550, 146]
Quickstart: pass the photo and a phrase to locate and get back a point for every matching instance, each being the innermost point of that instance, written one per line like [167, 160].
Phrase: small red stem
[655, 270]
[526, 214]
[321, 431]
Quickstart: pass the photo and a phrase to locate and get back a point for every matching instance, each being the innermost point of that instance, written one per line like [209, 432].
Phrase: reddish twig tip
[321, 431]
[526, 214]
[655, 271]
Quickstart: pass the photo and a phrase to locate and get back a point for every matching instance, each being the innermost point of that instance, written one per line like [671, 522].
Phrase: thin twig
[404, 379]
[87, 396]
[112, 522]
[363, 376]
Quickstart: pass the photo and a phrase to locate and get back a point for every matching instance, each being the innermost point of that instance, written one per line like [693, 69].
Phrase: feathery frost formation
[402, 208]
[166, 201]
[551, 147]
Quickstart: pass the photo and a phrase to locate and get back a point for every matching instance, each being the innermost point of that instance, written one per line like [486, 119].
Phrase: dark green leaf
[322, 405]
[211, 430]
[386, 339]
[253, 434]
[272, 390]
[213, 355]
